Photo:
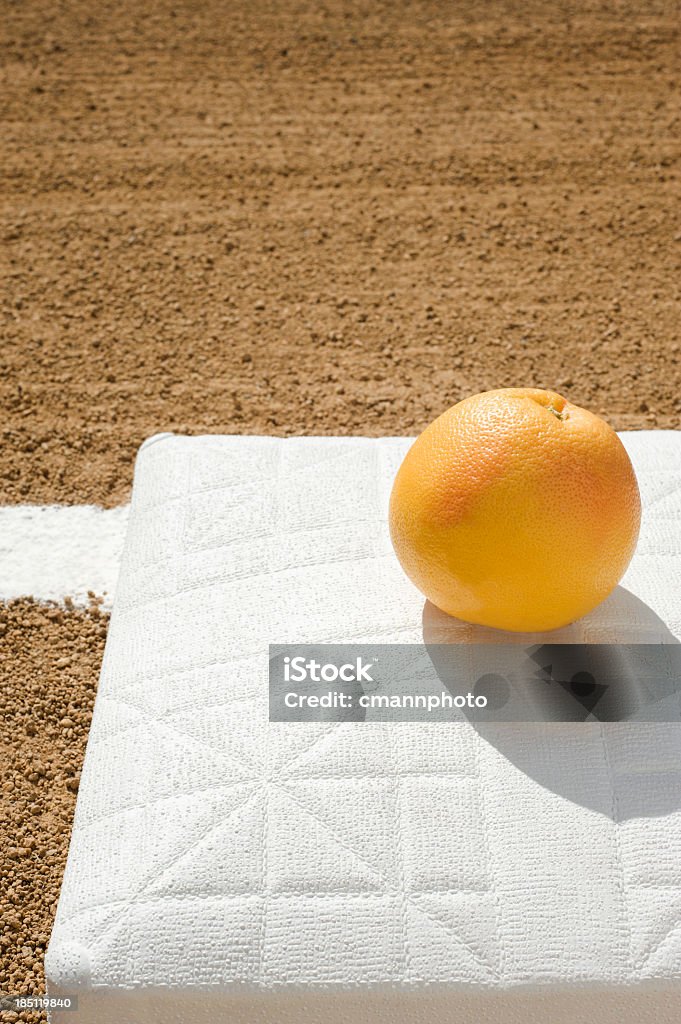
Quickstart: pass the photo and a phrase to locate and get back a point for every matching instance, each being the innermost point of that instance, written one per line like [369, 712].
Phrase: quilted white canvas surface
[224, 868]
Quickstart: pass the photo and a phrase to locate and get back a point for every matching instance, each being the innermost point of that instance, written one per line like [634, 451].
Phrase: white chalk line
[51, 552]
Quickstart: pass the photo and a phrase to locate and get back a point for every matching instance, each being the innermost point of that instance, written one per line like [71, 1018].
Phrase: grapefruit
[516, 509]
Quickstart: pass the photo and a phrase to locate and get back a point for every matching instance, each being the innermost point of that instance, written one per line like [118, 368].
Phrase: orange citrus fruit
[516, 509]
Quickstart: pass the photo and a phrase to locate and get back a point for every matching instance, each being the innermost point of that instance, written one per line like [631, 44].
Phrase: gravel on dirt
[49, 664]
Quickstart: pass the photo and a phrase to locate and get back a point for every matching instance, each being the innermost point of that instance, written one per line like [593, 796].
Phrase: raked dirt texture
[306, 218]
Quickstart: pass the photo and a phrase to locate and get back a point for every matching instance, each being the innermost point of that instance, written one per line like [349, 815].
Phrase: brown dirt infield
[48, 676]
[294, 217]
[291, 217]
